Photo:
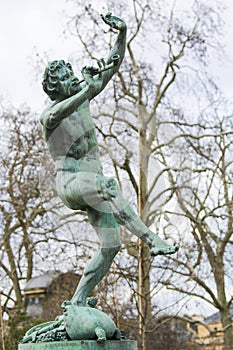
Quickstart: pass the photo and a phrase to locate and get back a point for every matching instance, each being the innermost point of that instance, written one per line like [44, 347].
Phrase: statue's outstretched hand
[113, 21]
[89, 73]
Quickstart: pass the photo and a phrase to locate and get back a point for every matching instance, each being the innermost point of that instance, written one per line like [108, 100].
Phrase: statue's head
[59, 80]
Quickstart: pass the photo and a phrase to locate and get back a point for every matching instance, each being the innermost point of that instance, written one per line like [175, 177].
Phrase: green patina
[70, 135]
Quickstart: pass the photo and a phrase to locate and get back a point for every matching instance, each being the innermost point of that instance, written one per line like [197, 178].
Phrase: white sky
[30, 25]
[27, 26]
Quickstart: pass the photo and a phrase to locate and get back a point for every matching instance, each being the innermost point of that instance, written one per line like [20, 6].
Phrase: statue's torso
[74, 137]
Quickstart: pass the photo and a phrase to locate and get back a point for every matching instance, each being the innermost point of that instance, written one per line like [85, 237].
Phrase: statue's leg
[104, 196]
[126, 216]
[108, 231]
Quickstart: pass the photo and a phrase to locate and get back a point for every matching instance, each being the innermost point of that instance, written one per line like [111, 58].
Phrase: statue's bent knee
[123, 217]
[107, 188]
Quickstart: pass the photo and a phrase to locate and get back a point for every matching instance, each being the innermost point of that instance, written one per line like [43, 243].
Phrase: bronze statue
[70, 134]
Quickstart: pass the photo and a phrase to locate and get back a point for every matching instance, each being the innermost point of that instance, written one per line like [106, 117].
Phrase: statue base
[81, 345]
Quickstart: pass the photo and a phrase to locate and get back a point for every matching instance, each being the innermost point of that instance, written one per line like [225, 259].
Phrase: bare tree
[204, 267]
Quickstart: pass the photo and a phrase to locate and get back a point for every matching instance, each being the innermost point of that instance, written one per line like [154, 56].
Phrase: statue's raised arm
[117, 53]
[68, 92]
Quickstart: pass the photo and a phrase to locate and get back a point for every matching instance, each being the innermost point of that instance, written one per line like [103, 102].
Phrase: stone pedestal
[81, 345]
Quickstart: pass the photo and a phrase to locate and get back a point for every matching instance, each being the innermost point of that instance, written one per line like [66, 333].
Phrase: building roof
[42, 281]
[216, 316]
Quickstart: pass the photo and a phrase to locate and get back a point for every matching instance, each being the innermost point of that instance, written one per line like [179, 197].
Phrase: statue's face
[68, 83]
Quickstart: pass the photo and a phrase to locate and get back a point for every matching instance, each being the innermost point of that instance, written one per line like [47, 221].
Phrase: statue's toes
[164, 251]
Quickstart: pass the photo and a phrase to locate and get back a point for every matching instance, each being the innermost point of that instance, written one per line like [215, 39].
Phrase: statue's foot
[91, 301]
[79, 302]
[154, 251]
[157, 245]
[74, 301]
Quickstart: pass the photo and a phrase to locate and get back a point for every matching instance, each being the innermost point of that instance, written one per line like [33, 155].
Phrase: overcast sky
[27, 26]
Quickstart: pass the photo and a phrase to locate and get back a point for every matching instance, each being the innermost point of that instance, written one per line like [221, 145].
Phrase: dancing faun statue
[69, 131]
[70, 135]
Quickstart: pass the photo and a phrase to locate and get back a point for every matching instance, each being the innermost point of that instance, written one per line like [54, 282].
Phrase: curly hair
[50, 78]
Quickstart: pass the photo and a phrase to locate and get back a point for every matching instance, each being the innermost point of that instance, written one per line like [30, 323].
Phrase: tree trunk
[225, 314]
[144, 301]
[14, 275]
[227, 328]
[2, 323]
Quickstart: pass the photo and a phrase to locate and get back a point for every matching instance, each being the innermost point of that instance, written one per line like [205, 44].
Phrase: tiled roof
[216, 316]
[42, 281]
